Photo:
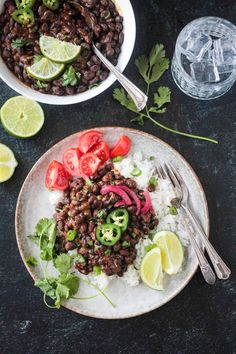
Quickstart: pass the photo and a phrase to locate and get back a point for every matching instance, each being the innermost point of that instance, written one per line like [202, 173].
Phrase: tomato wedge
[57, 177]
[101, 150]
[88, 140]
[122, 147]
[89, 164]
[71, 159]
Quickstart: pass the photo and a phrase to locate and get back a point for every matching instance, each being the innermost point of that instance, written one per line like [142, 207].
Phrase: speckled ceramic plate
[33, 204]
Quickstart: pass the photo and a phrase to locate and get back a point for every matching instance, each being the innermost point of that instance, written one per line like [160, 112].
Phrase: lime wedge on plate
[21, 117]
[58, 51]
[151, 269]
[45, 70]
[8, 163]
[172, 254]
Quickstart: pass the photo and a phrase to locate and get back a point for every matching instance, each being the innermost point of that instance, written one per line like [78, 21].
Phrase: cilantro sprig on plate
[151, 67]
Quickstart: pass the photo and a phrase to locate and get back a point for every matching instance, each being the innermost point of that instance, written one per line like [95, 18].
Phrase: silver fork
[182, 202]
[205, 267]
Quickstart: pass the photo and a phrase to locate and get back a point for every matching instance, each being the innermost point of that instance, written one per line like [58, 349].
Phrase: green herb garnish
[96, 270]
[101, 214]
[126, 244]
[41, 84]
[44, 237]
[136, 172]
[153, 181]
[21, 42]
[63, 262]
[118, 159]
[93, 85]
[37, 58]
[71, 235]
[151, 158]
[70, 77]
[31, 261]
[151, 68]
[173, 210]
[90, 243]
[80, 259]
[107, 252]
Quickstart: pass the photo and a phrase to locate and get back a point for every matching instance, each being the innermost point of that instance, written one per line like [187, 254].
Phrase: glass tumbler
[204, 61]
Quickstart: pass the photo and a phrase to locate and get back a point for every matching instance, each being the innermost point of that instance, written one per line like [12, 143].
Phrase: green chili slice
[119, 217]
[51, 4]
[108, 234]
[24, 4]
[24, 16]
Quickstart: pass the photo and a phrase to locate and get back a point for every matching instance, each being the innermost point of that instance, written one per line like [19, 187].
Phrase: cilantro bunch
[151, 67]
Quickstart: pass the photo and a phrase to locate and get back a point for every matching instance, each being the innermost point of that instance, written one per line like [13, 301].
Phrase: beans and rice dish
[64, 23]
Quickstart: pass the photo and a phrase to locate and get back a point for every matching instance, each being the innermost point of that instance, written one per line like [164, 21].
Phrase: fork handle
[221, 269]
[139, 98]
[204, 265]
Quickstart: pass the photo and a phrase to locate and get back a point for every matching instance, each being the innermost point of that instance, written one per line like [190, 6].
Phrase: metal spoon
[139, 98]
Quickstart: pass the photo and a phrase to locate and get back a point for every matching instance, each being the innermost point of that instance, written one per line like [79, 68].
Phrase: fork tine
[161, 172]
[171, 175]
[176, 175]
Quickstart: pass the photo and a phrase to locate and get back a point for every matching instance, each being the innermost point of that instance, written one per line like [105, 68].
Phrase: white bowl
[125, 9]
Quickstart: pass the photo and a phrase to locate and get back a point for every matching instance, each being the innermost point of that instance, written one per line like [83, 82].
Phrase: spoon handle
[139, 98]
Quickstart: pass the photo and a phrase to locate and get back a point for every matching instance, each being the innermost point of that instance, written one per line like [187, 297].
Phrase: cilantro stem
[99, 290]
[45, 301]
[179, 132]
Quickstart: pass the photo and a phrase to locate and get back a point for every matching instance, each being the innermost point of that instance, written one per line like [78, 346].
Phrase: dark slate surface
[202, 318]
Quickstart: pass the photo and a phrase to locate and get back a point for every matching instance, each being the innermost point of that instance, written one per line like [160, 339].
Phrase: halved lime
[22, 117]
[58, 51]
[151, 269]
[8, 163]
[171, 251]
[45, 70]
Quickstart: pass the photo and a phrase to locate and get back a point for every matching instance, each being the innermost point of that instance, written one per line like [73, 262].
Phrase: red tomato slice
[88, 140]
[71, 161]
[56, 176]
[89, 164]
[122, 147]
[101, 150]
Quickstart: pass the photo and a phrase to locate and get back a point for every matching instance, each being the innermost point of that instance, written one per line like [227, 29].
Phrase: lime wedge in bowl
[171, 251]
[151, 269]
[8, 163]
[58, 51]
[21, 117]
[45, 70]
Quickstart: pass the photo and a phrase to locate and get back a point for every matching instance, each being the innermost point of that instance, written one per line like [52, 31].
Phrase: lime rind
[22, 117]
[59, 51]
[45, 70]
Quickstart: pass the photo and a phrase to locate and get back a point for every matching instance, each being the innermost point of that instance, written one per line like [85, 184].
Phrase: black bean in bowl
[19, 45]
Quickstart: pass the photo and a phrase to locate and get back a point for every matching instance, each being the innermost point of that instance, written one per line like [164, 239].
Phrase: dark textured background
[202, 318]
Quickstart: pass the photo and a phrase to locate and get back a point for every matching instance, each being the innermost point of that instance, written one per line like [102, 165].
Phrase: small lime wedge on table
[171, 251]
[21, 117]
[58, 51]
[8, 163]
[151, 269]
[45, 70]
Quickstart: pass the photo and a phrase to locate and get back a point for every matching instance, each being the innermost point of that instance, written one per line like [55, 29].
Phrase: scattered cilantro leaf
[96, 270]
[37, 58]
[71, 235]
[139, 119]
[70, 77]
[63, 262]
[31, 261]
[173, 210]
[21, 42]
[162, 96]
[142, 64]
[153, 181]
[151, 158]
[126, 101]
[118, 159]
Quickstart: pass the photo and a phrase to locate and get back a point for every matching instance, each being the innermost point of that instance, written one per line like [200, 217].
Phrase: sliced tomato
[88, 140]
[71, 161]
[101, 150]
[122, 147]
[89, 164]
[56, 177]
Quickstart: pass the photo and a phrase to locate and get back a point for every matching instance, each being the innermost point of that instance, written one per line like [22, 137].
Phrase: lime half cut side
[22, 117]
[8, 163]
[45, 70]
[171, 251]
[58, 51]
[151, 269]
